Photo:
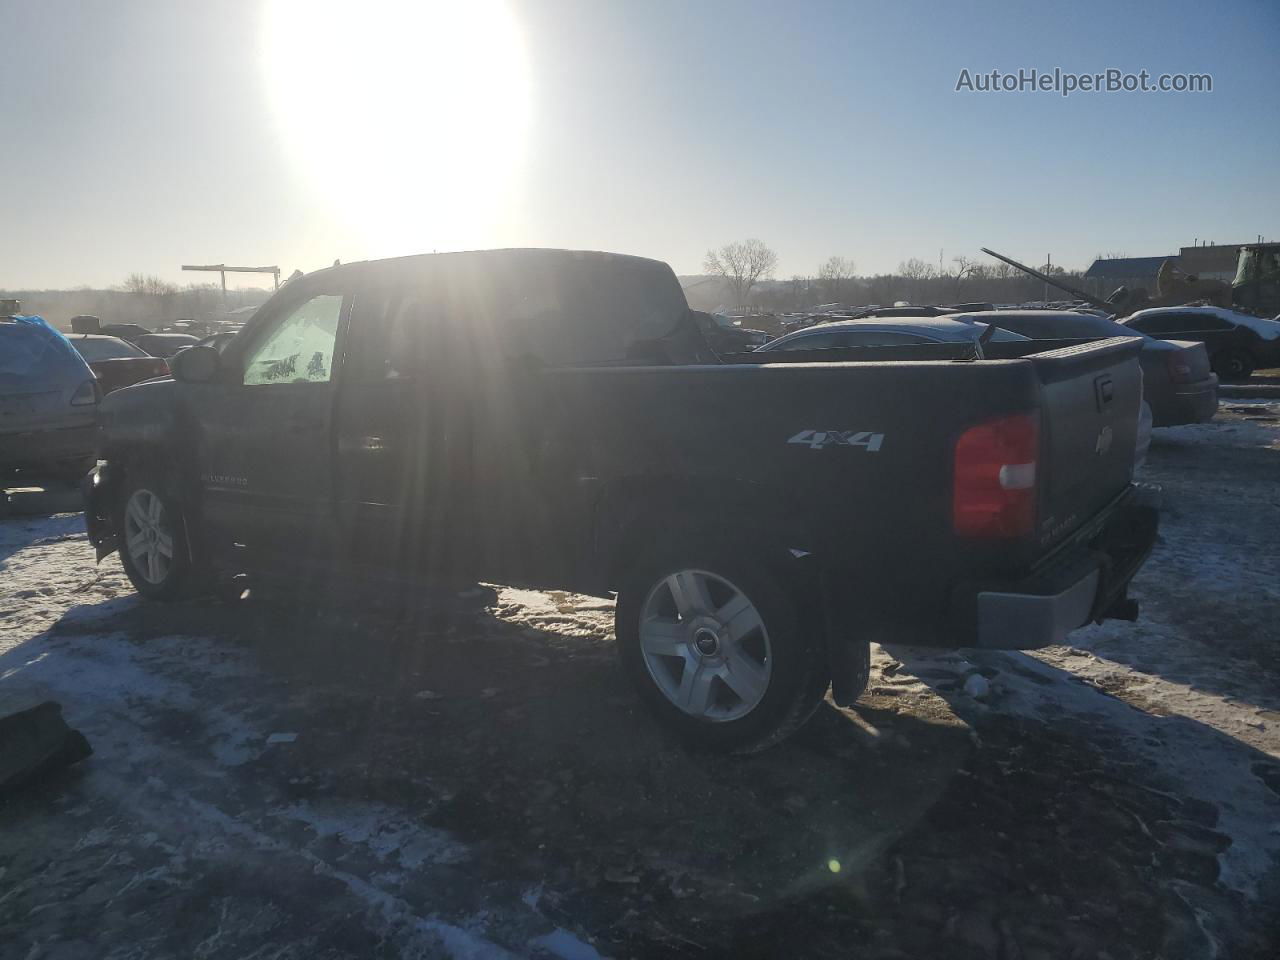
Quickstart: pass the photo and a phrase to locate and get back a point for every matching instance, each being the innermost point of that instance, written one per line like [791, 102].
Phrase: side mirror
[198, 364]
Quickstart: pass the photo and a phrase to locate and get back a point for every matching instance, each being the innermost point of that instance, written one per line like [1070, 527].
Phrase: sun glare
[407, 119]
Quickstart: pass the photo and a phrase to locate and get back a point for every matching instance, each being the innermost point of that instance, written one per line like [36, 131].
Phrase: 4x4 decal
[817, 439]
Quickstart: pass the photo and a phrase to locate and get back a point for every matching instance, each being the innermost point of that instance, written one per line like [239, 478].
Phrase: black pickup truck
[555, 419]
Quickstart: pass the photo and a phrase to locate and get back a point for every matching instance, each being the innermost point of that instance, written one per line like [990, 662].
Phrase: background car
[723, 335]
[871, 333]
[1176, 379]
[117, 363]
[166, 344]
[218, 340]
[1237, 343]
[908, 310]
[125, 331]
[48, 405]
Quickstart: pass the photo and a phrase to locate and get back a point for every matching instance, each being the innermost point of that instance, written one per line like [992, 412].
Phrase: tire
[1233, 365]
[716, 646]
[153, 540]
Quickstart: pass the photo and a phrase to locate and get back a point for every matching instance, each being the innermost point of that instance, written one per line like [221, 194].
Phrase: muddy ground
[275, 777]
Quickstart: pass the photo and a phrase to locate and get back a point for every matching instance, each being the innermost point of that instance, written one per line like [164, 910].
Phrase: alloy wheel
[705, 645]
[148, 536]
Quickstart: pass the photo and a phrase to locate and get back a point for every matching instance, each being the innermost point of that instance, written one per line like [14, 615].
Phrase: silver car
[884, 333]
[48, 405]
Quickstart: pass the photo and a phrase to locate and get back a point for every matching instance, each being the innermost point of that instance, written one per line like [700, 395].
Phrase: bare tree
[916, 272]
[148, 285]
[801, 291]
[917, 269]
[965, 267]
[741, 264]
[835, 275]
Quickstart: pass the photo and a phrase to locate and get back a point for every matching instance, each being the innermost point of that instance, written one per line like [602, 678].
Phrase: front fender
[100, 490]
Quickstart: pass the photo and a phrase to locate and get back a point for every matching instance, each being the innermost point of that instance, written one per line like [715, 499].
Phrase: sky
[143, 135]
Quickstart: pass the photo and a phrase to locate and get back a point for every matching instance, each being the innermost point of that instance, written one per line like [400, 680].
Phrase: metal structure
[1173, 288]
[222, 269]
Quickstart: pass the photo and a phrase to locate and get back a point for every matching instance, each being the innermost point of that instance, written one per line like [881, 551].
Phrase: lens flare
[406, 119]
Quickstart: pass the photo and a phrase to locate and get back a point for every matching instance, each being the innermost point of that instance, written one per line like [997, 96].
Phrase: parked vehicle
[1237, 343]
[1176, 379]
[117, 363]
[166, 345]
[48, 405]
[125, 331]
[217, 340]
[551, 418]
[724, 336]
[886, 333]
[196, 328]
[908, 310]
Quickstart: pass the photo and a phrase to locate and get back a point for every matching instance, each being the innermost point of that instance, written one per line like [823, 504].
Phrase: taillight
[1179, 368]
[995, 478]
[86, 394]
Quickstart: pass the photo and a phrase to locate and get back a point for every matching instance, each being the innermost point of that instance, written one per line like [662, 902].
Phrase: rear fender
[632, 521]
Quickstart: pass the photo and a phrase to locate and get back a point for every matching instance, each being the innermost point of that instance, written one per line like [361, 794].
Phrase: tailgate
[1090, 395]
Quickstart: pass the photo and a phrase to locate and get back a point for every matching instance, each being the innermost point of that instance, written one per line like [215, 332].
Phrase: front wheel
[716, 645]
[153, 546]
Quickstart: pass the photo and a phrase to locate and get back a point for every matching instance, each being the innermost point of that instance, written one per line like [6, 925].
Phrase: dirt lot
[474, 779]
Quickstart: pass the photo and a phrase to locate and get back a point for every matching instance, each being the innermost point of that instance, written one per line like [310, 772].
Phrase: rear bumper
[40, 451]
[1185, 403]
[1087, 582]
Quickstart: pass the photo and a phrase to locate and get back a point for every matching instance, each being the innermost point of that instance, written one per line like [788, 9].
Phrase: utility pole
[1048, 265]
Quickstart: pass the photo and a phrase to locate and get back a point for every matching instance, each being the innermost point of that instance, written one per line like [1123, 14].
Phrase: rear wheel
[1233, 365]
[153, 547]
[716, 647]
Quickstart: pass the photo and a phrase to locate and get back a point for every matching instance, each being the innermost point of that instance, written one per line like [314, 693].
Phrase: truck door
[403, 440]
[264, 442]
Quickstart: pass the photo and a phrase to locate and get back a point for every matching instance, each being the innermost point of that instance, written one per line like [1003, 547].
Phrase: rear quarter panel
[851, 462]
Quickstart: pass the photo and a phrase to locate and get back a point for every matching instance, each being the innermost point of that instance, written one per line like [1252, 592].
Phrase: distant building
[1210, 261]
[1103, 276]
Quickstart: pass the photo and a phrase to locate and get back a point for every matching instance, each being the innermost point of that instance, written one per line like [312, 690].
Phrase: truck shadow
[528, 747]
[906, 822]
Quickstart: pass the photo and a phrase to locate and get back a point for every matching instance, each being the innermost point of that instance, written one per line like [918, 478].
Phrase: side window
[1206, 322]
[1155, 324]
[879, 338]
[299, 347]
[819, 341]
[389, 331]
